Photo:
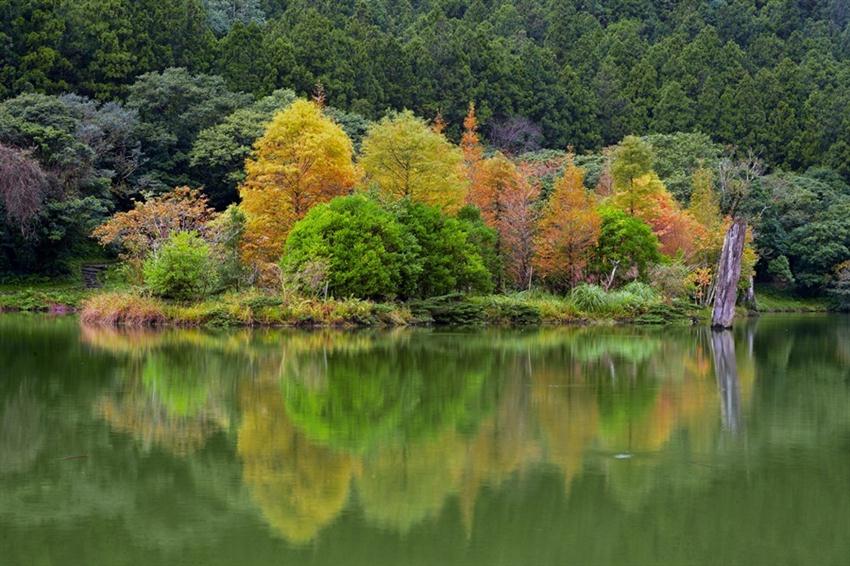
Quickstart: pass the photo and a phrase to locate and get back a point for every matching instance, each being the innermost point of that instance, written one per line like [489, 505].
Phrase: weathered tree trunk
[728, 274]
[726, 373]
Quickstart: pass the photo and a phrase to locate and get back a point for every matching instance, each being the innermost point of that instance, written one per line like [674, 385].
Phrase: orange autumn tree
[480, 193]
[507, 202]
[470, 143]
[677, 230]
[568, 230]
[143, 229]
[303, 159]
[517, 223]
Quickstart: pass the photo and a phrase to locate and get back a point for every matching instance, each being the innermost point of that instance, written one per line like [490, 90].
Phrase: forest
[401, 150]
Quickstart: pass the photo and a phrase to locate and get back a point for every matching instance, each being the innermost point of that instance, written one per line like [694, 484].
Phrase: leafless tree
[23, 184]
[516, 135]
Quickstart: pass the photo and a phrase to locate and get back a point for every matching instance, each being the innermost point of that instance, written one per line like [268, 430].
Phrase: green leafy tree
[449, 259]
[365, 251]
[223, 14]
[626, 247]
[174, 106]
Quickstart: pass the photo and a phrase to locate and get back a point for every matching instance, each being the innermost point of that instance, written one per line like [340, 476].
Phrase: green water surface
[555, 446]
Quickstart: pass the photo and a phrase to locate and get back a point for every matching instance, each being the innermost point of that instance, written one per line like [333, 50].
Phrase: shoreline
[251, 309]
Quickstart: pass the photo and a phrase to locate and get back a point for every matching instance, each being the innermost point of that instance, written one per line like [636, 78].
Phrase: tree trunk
[728, 274]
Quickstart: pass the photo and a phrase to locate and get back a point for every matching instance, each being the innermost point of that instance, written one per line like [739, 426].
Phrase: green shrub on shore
[181, 269]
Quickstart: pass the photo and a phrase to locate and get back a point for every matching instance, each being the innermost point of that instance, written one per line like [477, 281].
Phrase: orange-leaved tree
[568, 230]
[303, 159]
[517, 223]
[143, 229]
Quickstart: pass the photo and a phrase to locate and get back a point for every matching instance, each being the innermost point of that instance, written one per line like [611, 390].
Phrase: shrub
[181, 269]
[450, 310]
[672, 279]
[449, 260]
[364, 251]
[510, 310]
[626, 247]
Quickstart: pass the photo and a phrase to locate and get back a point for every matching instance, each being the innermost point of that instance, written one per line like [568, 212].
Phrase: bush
[449, 260]
[510, 310]
[449, 310]
[624, 241]
[363, 250]
[352, 247]
[181, 269]
[672, 279]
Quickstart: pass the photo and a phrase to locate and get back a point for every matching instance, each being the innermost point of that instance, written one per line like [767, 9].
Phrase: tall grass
[627, 301]
[123, 309]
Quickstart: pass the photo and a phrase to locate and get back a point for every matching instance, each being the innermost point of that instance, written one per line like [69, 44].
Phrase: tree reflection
[299, 487]
[726, 372]
[22, 431]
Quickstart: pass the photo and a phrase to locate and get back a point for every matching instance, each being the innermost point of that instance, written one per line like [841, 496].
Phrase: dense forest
[108, 103]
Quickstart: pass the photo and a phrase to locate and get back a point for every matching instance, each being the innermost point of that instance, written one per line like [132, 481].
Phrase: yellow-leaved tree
[404, 158]
[303, 159]
[568, 230]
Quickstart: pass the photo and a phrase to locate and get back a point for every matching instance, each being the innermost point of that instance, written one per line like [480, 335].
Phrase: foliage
[181, 268]
[219, 152]
[568, 231]
[671, 279]
[447, 259]
[174, 106]
[226, 232]
[405, 158]
[23, 185]
[626, 247]
[86, 154]
[224, 14]
[366, 252]
[302, 159]
[631, 171]
[143, 229]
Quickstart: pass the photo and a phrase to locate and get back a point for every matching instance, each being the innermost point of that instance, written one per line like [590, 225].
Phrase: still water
[589, 446]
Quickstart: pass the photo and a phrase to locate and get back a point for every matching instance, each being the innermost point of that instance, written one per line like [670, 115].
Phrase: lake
[588, 446]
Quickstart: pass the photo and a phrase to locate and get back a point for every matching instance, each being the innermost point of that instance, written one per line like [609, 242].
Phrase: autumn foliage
[568, 231]
[404, 158]
[143, 229]
[303, 159]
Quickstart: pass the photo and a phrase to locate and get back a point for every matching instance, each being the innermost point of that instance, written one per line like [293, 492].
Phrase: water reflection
[408, 422]
[726, 372]
[407, 432]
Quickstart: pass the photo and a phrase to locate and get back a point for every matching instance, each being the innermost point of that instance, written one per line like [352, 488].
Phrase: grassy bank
[773, 300]
[43, 296]
[121, 307]
[640, 305]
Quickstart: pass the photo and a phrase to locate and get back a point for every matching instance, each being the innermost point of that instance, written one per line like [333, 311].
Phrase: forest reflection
[399, 424]
[598, 445]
